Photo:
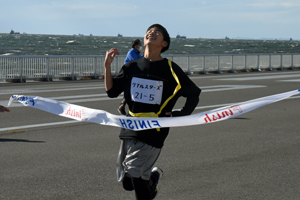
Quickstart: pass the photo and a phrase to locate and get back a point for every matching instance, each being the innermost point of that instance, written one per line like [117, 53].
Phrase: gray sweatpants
[136, 159]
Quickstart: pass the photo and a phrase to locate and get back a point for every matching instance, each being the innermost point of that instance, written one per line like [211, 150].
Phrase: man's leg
[127, 183]
[141, 188]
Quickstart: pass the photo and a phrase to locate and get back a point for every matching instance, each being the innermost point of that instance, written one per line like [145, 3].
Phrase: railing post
[218, 60]
[188, 67]
[102, 67]
[95, 66]
[281, 66]
[21, 69]
[246, 63]
[48, 68]
[258, 63]
[116, 68]
[204, 67]
[292, 61]
[232, 70]
[270, 66]
[72, 67]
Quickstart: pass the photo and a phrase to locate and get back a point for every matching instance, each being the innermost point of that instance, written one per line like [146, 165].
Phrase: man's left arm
[189, 90]
[192, 99]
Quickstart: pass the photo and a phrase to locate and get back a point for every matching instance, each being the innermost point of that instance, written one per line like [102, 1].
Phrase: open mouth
[150, 37]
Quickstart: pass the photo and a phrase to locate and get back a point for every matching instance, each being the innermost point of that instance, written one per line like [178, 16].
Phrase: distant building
[13, 32]
[180, 36]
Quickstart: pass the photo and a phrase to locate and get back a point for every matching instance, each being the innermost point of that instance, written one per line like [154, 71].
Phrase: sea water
[34, 44]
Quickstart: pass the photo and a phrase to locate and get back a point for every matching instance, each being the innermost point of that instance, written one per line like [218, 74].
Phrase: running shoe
[156, 174]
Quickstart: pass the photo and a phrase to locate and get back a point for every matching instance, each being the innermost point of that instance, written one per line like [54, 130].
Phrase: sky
[251, 19]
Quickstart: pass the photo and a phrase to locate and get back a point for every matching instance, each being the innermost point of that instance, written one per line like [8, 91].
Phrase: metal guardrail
[47, 68]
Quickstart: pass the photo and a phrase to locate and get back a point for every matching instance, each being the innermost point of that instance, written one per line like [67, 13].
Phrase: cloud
[75, 10]
[273, 4]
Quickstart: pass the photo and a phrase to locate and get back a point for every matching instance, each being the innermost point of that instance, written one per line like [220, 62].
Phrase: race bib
[146, 91]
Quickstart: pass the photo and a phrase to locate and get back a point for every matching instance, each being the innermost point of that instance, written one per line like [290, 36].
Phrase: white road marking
[52, 89]
[37, 125]
[217, 88]
[259, 77]
[292, 80]
[243, 74]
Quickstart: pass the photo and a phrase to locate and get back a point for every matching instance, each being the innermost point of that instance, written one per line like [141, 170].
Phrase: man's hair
[165, 35]
[135, 42]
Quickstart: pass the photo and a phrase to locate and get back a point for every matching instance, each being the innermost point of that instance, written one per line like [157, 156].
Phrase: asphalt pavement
[253, 156]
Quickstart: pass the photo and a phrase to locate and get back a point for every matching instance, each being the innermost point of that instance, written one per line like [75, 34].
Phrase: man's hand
[4, 109]
[169, 114]
[110, 55]
[109, 58]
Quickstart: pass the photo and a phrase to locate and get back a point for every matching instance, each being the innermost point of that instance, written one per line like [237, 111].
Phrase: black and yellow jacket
[175, 84]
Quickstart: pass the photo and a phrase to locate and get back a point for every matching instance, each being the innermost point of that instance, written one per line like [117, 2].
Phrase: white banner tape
[81, 113]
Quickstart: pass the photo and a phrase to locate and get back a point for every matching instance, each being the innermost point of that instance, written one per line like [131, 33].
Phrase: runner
[151, 87]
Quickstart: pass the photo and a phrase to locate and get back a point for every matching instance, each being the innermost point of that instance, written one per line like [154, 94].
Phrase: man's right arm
[110, 54]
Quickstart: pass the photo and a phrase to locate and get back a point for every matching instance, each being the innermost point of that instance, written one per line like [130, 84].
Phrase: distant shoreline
[233, 38]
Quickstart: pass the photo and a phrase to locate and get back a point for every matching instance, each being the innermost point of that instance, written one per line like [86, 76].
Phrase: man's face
[154, 37]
